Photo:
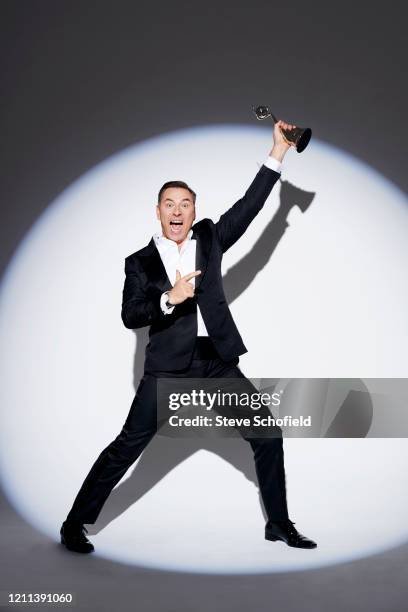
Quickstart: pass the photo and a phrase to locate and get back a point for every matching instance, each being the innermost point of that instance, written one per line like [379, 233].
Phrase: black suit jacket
[172, 336]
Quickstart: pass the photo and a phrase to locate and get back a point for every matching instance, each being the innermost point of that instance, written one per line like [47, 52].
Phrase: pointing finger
[191, 275]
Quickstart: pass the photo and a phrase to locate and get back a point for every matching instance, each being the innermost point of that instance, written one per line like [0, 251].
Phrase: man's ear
[158, 211]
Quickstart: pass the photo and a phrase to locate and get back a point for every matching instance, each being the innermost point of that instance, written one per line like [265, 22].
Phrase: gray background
[81, 81]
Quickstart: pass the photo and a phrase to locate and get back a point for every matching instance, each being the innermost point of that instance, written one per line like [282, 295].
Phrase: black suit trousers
[140, 427]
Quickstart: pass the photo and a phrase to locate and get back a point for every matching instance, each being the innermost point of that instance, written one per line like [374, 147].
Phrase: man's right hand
[182, 289]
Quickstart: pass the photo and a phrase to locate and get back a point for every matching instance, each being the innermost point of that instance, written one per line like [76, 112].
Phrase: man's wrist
[169, 303]
[166, 307]
[273, 164]
[278, 152]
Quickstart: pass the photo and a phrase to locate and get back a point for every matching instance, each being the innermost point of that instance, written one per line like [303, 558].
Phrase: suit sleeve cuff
[163, 300]
[273, 163]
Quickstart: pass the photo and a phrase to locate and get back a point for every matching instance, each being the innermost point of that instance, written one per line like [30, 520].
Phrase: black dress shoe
[73, 537]
[286, 532]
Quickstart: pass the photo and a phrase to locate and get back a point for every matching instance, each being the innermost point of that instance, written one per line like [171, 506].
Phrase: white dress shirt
[184, 259]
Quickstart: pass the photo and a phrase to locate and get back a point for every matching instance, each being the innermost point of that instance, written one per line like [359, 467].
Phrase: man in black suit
[174, 285]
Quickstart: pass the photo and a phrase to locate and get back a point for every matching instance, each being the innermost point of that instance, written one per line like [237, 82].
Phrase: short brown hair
[181, 184]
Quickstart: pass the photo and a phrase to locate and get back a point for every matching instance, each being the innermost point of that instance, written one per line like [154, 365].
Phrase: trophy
[298, 136]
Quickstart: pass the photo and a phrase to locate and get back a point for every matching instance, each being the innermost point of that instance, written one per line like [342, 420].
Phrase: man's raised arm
[234, 222]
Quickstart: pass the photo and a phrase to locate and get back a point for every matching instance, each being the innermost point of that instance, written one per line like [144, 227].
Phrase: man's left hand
[280, 144]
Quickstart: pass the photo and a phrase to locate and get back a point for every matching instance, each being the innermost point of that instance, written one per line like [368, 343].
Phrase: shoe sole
[83, 552]
[273, 538]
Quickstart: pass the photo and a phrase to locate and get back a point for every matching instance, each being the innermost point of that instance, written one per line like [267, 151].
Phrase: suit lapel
[203, 238]
[154, 267]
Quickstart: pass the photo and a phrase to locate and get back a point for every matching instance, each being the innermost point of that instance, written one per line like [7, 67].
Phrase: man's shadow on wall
[163, 454]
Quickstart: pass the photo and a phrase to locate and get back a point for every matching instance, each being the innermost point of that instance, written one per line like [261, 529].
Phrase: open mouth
[176, 226]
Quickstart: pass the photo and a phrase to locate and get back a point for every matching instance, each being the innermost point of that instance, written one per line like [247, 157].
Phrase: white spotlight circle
[330, 302]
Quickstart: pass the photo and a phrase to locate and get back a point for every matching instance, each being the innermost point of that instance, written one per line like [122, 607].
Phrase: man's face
[176, 213]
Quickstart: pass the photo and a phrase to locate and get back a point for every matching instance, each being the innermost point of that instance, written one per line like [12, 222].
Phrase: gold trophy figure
[298, 136]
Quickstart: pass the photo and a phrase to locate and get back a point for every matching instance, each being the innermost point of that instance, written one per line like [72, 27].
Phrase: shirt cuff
[273, 163]
[163, 300]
